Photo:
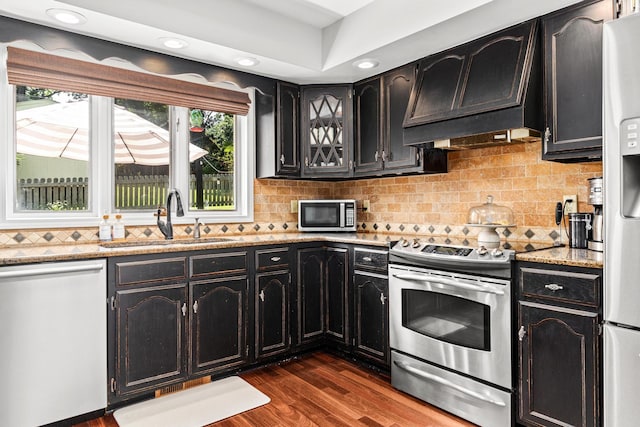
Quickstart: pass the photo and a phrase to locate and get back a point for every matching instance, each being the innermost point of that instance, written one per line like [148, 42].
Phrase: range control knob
[404, 243]
[482, 251]
[497, 252]
[416, 243]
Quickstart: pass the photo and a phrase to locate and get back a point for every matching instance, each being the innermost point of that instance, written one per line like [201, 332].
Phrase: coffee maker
[596, 237]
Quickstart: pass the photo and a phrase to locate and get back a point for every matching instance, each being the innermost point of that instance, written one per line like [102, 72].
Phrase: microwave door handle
[447, 282]
[447, 383]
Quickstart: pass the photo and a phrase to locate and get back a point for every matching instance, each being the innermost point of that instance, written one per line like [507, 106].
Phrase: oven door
[458, 321]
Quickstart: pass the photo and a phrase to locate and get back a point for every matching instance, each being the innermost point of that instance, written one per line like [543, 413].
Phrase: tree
[216, 138]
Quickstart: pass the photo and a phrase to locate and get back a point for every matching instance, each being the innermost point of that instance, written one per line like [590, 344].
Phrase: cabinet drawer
[272, 259]
[219, 263]
[371, 259]
[153, 270]
[562, 286]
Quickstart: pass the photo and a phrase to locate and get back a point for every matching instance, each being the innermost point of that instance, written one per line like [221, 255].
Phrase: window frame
[101, 173]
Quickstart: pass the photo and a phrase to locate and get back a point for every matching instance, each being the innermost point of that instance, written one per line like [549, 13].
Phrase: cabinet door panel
[396, 92]
[573, 81]
[337, 294]
[368, 135]
[272, 313]
[558, 370]
[151, 337]
[311, 289]
[219, 324]
[288, 162]
[371, 316]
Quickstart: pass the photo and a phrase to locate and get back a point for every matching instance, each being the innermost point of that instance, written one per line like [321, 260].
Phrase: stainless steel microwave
[327, 215]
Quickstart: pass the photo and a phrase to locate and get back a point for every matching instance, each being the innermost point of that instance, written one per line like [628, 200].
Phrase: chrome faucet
[167, 228]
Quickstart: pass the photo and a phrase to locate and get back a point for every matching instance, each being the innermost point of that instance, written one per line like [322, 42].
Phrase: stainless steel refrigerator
[621, 374]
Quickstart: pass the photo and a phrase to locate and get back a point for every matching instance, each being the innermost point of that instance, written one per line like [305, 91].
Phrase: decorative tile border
[12, 238]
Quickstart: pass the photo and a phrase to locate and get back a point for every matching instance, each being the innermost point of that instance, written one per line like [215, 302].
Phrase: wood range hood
[484, 93]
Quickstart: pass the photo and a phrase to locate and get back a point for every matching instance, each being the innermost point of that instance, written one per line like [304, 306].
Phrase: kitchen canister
[579, 227]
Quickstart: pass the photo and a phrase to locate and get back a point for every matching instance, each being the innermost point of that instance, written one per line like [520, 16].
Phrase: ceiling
[301, 41]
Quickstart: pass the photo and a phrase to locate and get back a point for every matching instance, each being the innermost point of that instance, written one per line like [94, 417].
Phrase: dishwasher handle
[449, 282]
[447, 383]
[52, 270]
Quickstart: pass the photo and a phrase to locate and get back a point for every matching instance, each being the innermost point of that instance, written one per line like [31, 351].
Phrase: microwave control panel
[350, 214]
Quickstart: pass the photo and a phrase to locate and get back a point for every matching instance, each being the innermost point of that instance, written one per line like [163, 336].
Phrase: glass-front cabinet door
[326, 131]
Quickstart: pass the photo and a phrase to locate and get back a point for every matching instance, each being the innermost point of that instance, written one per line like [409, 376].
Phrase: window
[124, 154]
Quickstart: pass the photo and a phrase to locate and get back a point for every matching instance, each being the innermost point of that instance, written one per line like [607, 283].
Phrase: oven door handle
[447, 282]
[447, 383]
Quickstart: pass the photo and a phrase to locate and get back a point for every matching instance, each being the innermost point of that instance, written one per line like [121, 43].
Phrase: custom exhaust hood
[484, 93]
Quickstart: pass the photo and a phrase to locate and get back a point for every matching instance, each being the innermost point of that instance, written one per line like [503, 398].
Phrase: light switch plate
[294, 206]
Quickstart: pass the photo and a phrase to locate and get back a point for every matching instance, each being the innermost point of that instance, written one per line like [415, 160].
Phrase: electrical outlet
[294, 206]
[570, 207]
[366, 205]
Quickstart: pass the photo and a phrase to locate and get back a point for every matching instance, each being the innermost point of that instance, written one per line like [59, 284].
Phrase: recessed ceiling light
[366, 64]
[173, 43]
[67, 16]
[247, 61]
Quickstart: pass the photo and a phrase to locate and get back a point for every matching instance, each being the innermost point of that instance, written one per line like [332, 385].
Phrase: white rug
[195, 407]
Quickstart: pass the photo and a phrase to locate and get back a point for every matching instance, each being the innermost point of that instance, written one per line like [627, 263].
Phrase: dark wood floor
[323, 390]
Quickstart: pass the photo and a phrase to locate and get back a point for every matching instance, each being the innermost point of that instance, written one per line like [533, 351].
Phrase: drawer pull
[367, 259]
[554, 287]
[275, 258]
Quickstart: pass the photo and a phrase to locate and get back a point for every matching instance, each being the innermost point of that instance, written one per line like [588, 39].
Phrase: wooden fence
[132, 192]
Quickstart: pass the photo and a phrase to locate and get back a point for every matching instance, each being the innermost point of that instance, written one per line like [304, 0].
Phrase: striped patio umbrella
[61, 130]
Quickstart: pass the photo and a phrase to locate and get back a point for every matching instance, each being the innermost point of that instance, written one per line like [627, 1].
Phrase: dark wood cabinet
[326, 131]
[573, 81]
[559, 315]
[370, 307]
[287, 131]
[380, 104]
[337, 294]
[311, 294]
[272, 333]
[483, 75]
[371, 316]
[323, 295]
[219, 324]
[151, 338]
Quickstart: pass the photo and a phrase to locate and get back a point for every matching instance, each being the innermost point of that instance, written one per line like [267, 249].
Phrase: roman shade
[29, 68]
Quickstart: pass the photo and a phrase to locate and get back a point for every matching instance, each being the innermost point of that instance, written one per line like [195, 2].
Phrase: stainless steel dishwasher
[53, 342]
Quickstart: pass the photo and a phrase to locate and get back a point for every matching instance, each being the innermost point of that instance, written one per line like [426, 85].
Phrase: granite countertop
[70, 252]
[12, 255]
[564, 255]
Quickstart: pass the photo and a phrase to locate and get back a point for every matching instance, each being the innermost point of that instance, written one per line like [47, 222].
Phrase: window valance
[29, 68]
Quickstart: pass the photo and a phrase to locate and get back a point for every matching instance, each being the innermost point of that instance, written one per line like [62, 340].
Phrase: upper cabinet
[326, 129]
[488, 74]
[277, 150]
[573, 82]
[379, 108]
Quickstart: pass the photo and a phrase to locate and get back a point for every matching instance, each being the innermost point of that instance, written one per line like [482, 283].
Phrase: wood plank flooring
[323, 390]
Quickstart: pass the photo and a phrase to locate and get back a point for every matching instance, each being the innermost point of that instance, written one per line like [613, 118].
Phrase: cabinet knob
[184, 309]
[367, 259]
[521, 333]
[195, 307]
[384, 156]
[275, 258]
[376, 156]
[382, 298]
[554, 287]
[261, 295]
[282, 159]
[306, 161]
[547, 135]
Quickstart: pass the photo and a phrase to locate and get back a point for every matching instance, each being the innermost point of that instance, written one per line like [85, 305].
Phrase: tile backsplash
[421, 204]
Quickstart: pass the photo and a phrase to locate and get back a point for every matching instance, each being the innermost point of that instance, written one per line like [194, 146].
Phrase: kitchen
[411, 205]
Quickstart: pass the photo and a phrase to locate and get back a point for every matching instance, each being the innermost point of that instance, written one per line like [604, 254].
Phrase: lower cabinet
[272, 313]
[181, 316]
[371, 316]
[322, 295]
[559, 315]
[371, 310]
[219, 323]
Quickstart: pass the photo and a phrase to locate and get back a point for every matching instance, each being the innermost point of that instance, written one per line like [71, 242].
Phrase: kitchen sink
[155, 242]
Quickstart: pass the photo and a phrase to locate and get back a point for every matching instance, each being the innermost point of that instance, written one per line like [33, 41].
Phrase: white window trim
[101, 169]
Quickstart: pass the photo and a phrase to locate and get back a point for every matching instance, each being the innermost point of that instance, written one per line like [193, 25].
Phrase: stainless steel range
[450, 328]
